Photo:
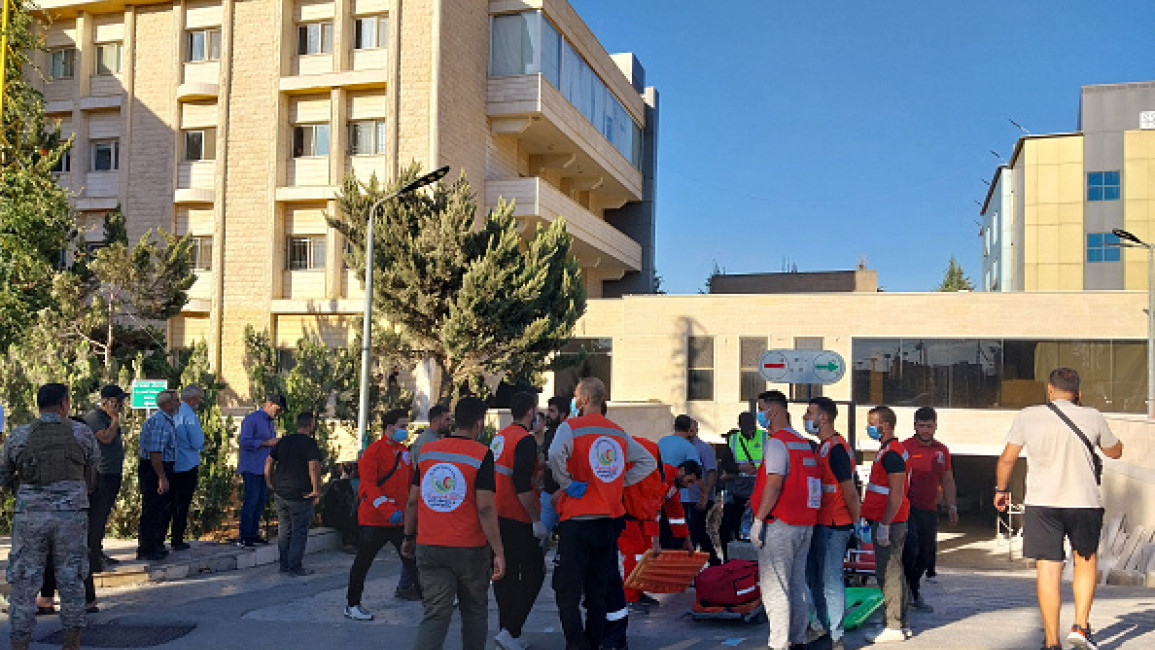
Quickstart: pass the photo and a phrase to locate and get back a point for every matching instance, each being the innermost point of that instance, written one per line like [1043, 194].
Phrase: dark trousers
[155, 509]
[100, 504]
[252, 505]
[449, 573]
[918, 553]
[293, 518]
[731, 527]
[524, 573]
[587, 565]
[696, 520]
[666, 537]
[370, 540]
[184, 485]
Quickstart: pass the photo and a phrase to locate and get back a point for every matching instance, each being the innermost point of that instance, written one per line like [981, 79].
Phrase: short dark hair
[691, 467]
[468, 412]
[774, 397]
[305, 419]
[561, 404]
[278, 399]
[50, 396]
[1064, 379]
[683, 423]
[521, 403]
[392, 416]
[747, 419]
[885, 414]
[926, 414]
[437, 410]
[827, 406]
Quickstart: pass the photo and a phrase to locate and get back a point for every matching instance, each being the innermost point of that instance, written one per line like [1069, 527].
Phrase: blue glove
[576, 489]
[396, 518]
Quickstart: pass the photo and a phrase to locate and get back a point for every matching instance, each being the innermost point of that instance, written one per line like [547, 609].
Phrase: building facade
[1049, 213]
[235, 121]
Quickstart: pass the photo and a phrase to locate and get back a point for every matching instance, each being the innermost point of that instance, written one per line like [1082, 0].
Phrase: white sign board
[801, 366]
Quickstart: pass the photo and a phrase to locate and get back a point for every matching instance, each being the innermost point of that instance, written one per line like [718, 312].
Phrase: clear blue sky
[816, 132]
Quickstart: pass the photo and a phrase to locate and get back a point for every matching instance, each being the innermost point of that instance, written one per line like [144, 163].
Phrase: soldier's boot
[71, 639]
[21, 645]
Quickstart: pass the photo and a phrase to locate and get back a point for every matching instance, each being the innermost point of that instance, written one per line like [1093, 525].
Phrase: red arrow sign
[774, 365]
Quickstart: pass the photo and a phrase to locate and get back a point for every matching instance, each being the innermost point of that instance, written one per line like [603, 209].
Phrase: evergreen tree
[954, 279]
[474, 297]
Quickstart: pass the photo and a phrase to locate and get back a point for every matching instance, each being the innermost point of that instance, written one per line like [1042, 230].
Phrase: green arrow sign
[830, 366]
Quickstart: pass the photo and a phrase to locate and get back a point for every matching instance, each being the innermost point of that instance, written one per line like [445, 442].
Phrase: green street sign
[144, 392]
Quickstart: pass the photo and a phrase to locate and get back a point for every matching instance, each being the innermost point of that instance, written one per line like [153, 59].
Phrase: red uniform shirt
[925, 467]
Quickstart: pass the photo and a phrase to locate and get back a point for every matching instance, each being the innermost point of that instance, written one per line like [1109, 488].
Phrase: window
[286, 359]
[750, 379]
[108, 58]
[60, 63]
[105, 155]
[370, 32]
[1103, 247]
[63, 164]
[200, 144]
[1103, 186]
[700, 364]
[306, 253]
[201, 254]
[310, 140]
[367, 137]
[583, 358]
[315, 38]
[204, 45]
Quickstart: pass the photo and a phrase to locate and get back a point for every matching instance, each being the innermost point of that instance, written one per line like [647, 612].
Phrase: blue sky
[816, 132]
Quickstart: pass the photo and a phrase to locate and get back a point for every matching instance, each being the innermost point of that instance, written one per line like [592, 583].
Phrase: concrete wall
[1129, 483]
[816, 282]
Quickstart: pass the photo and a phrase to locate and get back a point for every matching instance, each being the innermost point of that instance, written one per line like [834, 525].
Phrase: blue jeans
[827, 552]
[293, 518]
[253, 505]
[549, 515]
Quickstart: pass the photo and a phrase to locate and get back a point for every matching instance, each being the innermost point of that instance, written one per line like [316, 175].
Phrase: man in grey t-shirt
[1062, 500]
[104, 421]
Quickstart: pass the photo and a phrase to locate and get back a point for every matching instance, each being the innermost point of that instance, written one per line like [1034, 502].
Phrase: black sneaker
[649, 600]
[152, 556]
[411, 593]
[259, 540]
[1080, 637]
[180, 546]
[301, 572]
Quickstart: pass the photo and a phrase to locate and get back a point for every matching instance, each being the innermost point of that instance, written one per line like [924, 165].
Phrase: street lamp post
[367, 323]
[1131, 241]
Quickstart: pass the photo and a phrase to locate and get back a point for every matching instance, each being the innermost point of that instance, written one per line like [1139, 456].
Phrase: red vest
[503, 446]
[598, 460]
[643, 500]
[833, 511]
[447, 509]
[801, 494]
[878, 489]
[378, 499]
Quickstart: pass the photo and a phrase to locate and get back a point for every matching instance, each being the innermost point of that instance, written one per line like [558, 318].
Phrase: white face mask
[811, 426]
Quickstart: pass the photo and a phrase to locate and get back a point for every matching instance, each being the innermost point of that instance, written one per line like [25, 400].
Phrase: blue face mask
[400, 435]
[763, 421]
[874, 432]
[573, 409]
[811, 427]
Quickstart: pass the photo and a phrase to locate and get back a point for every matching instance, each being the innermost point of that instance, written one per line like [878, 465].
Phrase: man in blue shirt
[258, 436]
[157, 454]
[190, 441]
[676, 449]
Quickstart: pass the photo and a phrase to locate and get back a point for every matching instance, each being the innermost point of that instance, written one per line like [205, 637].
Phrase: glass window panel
[214, 42]
[193, 145]
[1094, 193]
[382, 32]
[326, 37]
[1094, 255]
[750, 348]
[303, 39]
[317, 257]
[363, 33]
[1110, 193]
[196, 46]
[1095, 239]
[752, 383]
[1112, 255]
[551, 53]
[570, 73]
[700, 353]
[1111, 178]
[1095, 178]
[381, 136]
[1129, 377]
[322, 140]
[700, 385]
[583, 358]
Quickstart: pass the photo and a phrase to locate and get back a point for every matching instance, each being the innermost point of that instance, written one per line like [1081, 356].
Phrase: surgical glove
[576, 489]
[396, 518]
[539, 530]
[756, 533]
[882, 538]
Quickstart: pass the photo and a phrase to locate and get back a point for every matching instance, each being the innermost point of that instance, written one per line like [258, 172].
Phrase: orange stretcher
[669, 573]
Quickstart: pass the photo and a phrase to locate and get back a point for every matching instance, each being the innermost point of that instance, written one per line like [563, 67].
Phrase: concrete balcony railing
[596, 243]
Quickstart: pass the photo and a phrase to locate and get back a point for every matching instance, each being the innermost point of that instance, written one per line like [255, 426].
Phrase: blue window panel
[1094, 254]
[1095, 240]
[1094, 193]
[1111, 178]
[1095, 178]
[1112, 254]
[1110, 193]
[1110, 238]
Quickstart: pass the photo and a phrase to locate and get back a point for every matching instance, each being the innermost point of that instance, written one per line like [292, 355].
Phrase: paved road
[261, 608]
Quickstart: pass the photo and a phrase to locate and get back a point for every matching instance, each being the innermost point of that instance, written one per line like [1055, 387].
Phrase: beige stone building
[236, 120]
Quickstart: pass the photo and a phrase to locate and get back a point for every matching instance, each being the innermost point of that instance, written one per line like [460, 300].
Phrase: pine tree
[954, 279]
[474, 297]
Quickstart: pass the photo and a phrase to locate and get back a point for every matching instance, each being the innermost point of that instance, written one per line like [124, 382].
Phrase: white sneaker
[358, 613]
[506, 641]
[888, 635]
[908, 632]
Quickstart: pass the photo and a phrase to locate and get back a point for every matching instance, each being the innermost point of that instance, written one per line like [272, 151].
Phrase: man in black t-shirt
[293, 473]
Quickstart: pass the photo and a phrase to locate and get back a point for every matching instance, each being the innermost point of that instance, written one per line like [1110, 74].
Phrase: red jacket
[385, 471]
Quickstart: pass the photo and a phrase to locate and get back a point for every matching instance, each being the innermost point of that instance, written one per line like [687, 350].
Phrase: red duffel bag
[729, 584]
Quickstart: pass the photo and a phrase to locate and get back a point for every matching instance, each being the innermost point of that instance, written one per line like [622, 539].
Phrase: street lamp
[1131, 241]
[367, 324]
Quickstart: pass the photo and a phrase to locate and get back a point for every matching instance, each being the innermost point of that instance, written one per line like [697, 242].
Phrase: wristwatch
[1001, 491]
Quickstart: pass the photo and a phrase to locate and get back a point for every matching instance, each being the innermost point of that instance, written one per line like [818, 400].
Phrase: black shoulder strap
[745, 449]
[1096, 462]
[396, 464]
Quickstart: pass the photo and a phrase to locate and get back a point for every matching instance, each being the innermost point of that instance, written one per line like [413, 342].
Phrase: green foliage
[215, 482]
[954, 279]
[474, 297]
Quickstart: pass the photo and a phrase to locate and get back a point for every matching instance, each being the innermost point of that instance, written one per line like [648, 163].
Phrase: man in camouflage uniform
[53, 464]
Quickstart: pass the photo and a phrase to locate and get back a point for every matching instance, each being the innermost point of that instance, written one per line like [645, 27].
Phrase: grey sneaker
[358, 613]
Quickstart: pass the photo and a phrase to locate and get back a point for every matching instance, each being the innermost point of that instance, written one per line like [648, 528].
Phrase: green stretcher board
[861, 603]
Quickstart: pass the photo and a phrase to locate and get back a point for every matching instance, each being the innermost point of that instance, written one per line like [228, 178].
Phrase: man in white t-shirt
[1062, 500]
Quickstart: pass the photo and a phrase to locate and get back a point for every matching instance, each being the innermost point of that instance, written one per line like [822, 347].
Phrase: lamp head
[422, 181]
[1126, 236]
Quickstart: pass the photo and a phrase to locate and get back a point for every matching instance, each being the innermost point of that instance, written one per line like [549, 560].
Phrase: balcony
[349, 80]
[195, 182]
[196, 91]
[596, 243]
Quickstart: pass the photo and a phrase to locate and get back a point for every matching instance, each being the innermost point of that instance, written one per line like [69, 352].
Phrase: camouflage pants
[34, 536]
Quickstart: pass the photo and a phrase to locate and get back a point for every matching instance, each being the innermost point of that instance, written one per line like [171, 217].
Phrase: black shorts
[1044, 529]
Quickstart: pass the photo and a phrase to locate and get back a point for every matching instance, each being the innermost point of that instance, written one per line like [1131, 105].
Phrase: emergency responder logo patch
[497, 446]
[607, 459]
[443, 487]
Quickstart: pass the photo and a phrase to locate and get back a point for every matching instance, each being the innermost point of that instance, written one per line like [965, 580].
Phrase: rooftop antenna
[995, 154]
[1018, 126]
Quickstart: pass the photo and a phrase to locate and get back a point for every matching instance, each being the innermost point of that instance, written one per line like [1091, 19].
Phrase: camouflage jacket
[61, 495]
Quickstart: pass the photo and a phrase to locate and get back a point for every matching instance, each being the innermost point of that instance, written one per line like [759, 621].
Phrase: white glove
[756, 533]
[539, 531]
[882, 537]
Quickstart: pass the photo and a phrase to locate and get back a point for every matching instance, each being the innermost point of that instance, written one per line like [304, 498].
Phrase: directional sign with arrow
[801, 366]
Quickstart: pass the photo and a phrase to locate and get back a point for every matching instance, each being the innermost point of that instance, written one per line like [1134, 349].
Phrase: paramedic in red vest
[886, 507]
[519, 518]
[836, 518]
[930, 470]
[386, 472]
[785, 502]
[451, 526]
[592, 460]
